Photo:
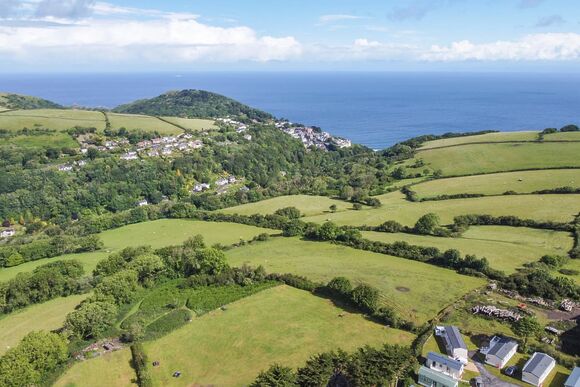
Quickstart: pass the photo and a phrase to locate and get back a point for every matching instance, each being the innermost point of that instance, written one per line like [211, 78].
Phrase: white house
[9, 232]
[65, 168]
[432, 378]
[537, 368]
[129, 156]
[444, 364]
[142, 203]
[201, 187]
[500, 351]
[454, 344]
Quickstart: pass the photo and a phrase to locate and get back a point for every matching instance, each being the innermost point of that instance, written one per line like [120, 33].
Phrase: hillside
[191, 104]
[10, 101]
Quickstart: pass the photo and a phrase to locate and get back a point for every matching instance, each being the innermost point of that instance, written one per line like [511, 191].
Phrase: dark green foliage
[527, 327]
[365, 297]
[554, 261]
[16, 101]
[319, 369]
[569, 128]
[120, 286]
[191, 103]
[462, 222]
[295, 281]
[55, 279]
[36, 356]
[91, 319]
[427, 224]
[289, 212]
[168, 323]
[140, 364]
[341, 286]
[538, 282]
[275, 376]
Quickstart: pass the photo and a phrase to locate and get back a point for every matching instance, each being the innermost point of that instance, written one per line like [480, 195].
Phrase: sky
[289, 35]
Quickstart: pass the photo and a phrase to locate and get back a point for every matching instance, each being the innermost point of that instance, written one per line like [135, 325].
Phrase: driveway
[490, 380]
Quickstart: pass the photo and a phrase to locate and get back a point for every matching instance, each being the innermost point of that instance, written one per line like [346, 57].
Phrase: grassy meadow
[558, 208]
[506, 248]
[113, 369]
[488, 158]
[57, 140]
[281, 324]
[308, 205]
[195, 124]
[498, 183]
[416, 290]
[46, 317]
[57, 119]
[147, 123]
[489, 137]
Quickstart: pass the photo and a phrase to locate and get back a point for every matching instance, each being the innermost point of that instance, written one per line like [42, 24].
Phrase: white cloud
[534, 47]
[175, 38]
[327, 19]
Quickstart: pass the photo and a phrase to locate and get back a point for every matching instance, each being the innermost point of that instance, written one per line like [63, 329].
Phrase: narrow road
[490, 380]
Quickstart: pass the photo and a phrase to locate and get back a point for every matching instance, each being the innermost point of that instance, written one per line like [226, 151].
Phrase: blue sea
[374, 109]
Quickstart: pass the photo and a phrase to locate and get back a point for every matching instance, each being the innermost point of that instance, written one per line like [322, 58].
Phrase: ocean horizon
[373, 109]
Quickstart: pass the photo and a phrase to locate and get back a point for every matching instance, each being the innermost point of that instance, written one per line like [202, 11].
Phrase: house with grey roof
[537, 368]
[444, 364]
[574, 379]
[431, 378]
[454, 344]
[500, 351]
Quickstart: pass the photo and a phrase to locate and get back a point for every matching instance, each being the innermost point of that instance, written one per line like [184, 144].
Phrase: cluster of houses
[7, 233]
[446, 370]
[221, 183]
[70, 166]
[312, 137]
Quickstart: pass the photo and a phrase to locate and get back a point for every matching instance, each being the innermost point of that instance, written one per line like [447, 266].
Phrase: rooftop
[437, 376]
[538, 364]
[574, 379]
[454, 337]
[445, 360]
[502, 347]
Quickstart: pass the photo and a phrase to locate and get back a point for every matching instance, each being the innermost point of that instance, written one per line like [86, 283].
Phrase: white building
[65, 168]
[9, 232]
[444, 364]
[574, 378]
[142, 203]
[537, 368]
[454, 344]
[129, 156]
[500, 351]
[201, 187]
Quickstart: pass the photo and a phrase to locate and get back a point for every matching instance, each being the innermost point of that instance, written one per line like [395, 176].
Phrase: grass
[417, 291]
[556, 378]
[166, 232]
[566, 136]
[281, 324]
[194, 124]
[158, 233]
[488, 158]
[489, 137]
[506, 248]
[112, 369]
[308, 205]
[498, 183]
[57, 119]
[56, 140]
[147, 123]
[559, 208]
[46, 316]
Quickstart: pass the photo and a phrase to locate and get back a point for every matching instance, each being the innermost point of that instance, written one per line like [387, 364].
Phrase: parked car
[477, 382]
[511, 370]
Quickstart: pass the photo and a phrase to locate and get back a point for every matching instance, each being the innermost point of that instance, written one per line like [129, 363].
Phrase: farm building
[500, 351]
[574, 379]
[537, 368]
[444, 364]
[454, 344]
[432, 378]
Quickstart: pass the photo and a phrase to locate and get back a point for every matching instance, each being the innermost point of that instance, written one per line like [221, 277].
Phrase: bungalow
[9, 232]
[454, 344]
[574, 379]
[432, 378]
[500, 351]
[142, 203]
[537, 368]
[444, 364]
[65, 168]
[201, 187]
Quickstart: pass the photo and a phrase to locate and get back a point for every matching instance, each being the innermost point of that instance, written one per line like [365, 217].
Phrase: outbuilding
[432, 378]
[537, 368]
[574, 379]
[501, 350]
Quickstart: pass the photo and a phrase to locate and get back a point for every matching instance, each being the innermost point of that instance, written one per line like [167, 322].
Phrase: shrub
[275, 376]
[340, 286]
[365, 297]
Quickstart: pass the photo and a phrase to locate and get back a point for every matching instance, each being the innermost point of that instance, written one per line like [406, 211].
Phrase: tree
[148, 267]
[14, 259]
[333, 208]
[293, 228]
[120, 286]
[328, 231]
[346, 192]
[289, 212]
[365, 297]
[91, 319]
[195, 242]
[527, 327]
[205, 261]
[357, 206]
[427, 224]
[276, 376]
[340, 285]
[92, 153]
[452, 258]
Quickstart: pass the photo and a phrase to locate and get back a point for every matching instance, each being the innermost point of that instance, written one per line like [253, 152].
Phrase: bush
[140, 364]
[168, 323]
[275, 376]
[365, 297]
[341, 286]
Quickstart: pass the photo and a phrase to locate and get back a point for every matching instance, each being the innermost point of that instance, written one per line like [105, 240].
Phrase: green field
[498, 183]
[147, 123]
[281, 324]
[308, 205]
[46, 316]
[417, 291]
[56, 140]
[57, 119]
[195, 124]
[487, 158]
[489, 137]
[559, 208]
[506, 248]
[109, 370]
[158, 233]
[563, 136]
